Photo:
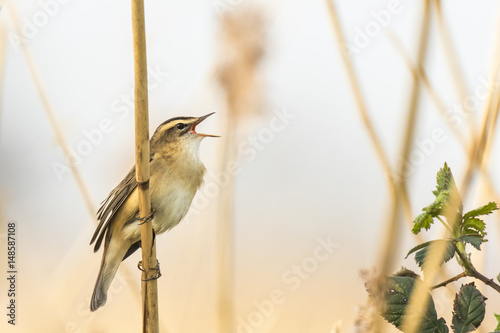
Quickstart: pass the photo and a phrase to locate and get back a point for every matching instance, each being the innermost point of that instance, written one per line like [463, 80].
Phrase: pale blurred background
[312, 179]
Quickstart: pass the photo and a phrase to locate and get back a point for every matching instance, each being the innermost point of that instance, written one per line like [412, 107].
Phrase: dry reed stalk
[478, 149]
[368, 124]
[443, 112]
[363, 110]
[358, 95]
[419, 71]
[491, 132]
[392, 227]
[460, 82]
[49, 111]
[397, 187]
[455, 69]
[461, 88]
[483, 166]
[242, 34]
[149, 284]
[399, 194]
[365, 117]
[487, 179]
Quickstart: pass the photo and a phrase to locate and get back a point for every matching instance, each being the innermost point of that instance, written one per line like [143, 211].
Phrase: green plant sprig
[467, 229]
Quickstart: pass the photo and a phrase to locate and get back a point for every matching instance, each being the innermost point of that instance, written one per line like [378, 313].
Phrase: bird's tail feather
[106, 275]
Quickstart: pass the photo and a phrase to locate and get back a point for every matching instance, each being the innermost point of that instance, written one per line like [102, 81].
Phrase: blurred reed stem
[444, 112]
[396, 186]
[420, 72]
[455, 69]
[363, 110]
[49, 111]
[242, 34]
[225, 238]
[477, 150]
[358, 95]
[392, 228]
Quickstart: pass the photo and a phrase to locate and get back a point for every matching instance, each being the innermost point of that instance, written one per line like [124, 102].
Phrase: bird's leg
[139, 265]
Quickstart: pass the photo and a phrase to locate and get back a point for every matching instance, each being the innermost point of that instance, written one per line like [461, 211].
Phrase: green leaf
[424, 220]
[403, 271]
[474, 240]
[418, 247]
[434, 209]
[446, 190]
[468, 309]
[484, 210]
[397, 295]
[449, 253]
[474, 225]
[444, 180]
[497, 317]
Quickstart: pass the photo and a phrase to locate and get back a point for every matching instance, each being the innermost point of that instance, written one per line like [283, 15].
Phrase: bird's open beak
[193, 127]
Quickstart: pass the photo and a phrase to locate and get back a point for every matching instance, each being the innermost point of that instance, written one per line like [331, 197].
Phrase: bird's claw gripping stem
[147, 218]
[157, 269]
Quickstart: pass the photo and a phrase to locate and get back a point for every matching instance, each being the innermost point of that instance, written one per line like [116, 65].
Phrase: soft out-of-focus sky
[316, 181]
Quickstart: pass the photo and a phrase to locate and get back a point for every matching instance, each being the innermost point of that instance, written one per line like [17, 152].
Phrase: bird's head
[177, 135]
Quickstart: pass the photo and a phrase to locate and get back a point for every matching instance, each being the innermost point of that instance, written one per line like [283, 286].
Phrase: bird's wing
[110, 206]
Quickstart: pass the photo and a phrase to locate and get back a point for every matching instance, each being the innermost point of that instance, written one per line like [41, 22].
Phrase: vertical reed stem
[149, 284]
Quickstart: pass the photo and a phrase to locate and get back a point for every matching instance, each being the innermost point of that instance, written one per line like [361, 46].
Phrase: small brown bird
[176, 173]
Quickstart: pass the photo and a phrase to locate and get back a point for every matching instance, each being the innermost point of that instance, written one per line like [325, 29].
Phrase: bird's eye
[180, 126]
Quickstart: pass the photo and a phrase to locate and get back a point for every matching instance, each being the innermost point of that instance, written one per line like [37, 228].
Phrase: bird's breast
[171, 197]
[172, 191]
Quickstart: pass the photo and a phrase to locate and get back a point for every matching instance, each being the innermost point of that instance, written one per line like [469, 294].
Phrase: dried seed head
[242, 35]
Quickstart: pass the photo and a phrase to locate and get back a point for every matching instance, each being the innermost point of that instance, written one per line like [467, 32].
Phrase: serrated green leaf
[468, 309]
[403, 271]
[418, 247]
[449, 253]
[497, 317]
[474, 225]
[434, 209]
[397, 294]
[483, 210]
[446, 190]
[424, 220]
[434, 326]
[444, 179]
[474, 240]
